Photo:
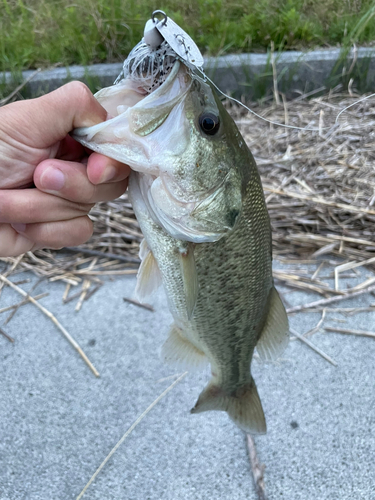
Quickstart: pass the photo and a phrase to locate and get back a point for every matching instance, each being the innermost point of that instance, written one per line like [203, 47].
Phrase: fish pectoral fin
[243, 406]
[189, 277]
[149, 276]
[275, 334]
[177, 350]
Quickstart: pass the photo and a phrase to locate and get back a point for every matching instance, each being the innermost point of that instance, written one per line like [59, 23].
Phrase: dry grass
[319, 188]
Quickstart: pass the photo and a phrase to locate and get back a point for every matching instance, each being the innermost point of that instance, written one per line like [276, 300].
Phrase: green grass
[39, 33]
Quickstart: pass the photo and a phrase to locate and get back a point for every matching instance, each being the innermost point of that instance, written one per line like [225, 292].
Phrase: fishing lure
[163, 42]
[152, 59]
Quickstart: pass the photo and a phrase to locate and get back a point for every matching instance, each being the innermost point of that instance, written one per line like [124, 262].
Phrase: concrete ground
[58, 422]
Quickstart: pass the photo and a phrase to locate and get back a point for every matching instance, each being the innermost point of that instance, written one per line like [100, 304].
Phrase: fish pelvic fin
[275, 334]
[243, 406]
[180, 352]
[149, 276]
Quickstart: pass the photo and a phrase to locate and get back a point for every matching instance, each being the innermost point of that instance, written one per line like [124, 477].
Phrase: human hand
[63, 183]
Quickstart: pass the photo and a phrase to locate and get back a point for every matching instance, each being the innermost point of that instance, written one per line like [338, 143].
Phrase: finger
[45, 235]
[59, 234]
[69, 180]
[12, 243]
[101, 169]
[53, 115]
[27, 206]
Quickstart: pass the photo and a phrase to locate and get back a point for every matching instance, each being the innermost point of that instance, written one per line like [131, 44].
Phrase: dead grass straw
[8, 337]
[303, 339]
[54, 320]
[257, 468]
[129, 431]
[319, 188]
[361, 333]
[22, 303]
[139, 304]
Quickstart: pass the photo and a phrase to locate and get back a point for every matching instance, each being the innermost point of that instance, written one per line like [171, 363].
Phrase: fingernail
[20, 228]
[52, 179]
[108, 174]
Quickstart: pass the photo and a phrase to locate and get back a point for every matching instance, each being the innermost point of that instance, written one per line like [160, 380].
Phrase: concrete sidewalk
[58, 422]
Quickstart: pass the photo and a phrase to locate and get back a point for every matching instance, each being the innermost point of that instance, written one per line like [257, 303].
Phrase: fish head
[185, 151]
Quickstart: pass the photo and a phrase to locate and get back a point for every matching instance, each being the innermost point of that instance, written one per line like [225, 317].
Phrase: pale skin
[48, 182]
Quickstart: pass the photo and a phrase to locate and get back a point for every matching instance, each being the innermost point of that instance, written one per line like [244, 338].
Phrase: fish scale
[234, 287]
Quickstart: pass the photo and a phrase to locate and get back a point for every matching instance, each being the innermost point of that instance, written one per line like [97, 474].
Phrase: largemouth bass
[197, 195]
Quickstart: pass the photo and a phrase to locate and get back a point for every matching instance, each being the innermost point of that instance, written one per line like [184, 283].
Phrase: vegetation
[39, 33]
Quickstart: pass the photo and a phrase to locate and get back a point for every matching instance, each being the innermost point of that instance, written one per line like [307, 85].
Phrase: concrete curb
[248, 74]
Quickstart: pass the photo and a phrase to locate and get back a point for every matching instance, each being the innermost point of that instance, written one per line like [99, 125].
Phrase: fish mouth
[146, 128]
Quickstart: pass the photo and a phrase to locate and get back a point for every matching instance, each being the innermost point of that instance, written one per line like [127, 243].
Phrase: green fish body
[198, 198]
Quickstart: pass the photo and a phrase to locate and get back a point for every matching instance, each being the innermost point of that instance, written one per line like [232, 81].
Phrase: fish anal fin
[189, 277]
[275, 334]
[243, 406]
[149, 276]
[179, 351]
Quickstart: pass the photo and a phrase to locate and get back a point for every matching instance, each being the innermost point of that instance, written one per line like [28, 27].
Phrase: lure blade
[178, 40]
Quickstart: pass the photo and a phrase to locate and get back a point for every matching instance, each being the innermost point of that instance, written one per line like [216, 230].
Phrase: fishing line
[353, 104]
[256, 114]
[206, 78]
[164, 41]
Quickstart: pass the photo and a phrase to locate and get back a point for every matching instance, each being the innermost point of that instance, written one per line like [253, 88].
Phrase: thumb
[46, 120]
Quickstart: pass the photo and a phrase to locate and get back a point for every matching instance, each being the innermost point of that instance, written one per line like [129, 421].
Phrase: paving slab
[58, 422]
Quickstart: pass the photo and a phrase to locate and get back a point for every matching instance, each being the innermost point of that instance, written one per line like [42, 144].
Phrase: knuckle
[79, 89]
[80, 94]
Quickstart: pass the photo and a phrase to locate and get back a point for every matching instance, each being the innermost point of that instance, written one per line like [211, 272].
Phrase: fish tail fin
[243, 405]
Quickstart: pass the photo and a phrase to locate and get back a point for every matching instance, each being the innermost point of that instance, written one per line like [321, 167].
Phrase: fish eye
[209, 123]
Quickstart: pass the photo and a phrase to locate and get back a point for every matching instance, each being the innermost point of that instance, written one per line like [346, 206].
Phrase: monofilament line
[316, 129]
[131, 428]
[353, 104]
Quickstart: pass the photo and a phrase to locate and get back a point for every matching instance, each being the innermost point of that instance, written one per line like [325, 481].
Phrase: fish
[198, 198]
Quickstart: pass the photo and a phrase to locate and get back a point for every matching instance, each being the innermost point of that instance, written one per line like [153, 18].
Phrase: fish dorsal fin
[149, 276]
[189, 277]
[275, 334]
[180, 352]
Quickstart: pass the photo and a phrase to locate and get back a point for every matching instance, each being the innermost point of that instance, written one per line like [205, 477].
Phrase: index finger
[43, 121]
